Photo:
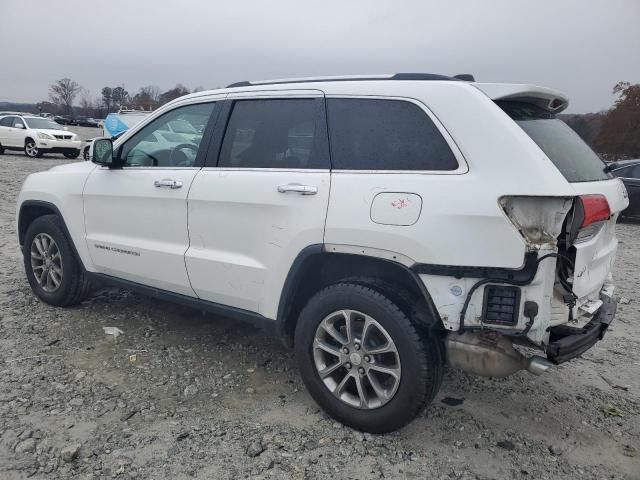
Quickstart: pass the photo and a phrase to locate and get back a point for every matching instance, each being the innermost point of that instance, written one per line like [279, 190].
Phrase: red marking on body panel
[400, 203]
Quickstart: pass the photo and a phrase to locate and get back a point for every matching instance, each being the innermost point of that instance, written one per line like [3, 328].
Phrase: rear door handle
[167, 182]
[298, 188]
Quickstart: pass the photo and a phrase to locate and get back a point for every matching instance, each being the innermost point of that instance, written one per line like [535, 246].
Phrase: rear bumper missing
[567, 342]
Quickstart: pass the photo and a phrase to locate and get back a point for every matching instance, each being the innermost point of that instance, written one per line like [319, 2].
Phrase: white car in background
[37, 136]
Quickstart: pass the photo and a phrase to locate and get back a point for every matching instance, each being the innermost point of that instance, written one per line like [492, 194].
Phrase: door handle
[167, 182]
[298, 188]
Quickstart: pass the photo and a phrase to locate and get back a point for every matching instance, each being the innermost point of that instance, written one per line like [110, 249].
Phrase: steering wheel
[184, 163]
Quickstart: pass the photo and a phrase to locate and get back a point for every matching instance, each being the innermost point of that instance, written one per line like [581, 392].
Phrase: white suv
[386, 226]
[37, 136]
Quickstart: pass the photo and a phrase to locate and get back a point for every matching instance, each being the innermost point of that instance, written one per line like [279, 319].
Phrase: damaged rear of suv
[386, 225]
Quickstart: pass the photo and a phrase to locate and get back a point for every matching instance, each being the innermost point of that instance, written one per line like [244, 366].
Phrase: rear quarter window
[564, 147]
[377, 134]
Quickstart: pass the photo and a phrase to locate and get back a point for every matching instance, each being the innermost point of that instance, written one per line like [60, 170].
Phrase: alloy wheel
[31, 149]
[46, 262]
[356, 359]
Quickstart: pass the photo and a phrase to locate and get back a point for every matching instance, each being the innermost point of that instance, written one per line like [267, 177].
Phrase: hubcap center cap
[355, 358]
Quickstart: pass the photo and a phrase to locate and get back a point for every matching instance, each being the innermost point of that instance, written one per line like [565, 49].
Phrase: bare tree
[63, 92]
[152, 91]
[178, 91]
[86, 101]
[146, 98]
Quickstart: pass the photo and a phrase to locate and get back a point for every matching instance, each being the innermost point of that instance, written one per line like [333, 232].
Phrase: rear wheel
[52, 269]
[363, 360]
[73, 154]
[31, 149]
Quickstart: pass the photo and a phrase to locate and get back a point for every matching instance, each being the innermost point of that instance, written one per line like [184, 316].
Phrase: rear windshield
[575, 160]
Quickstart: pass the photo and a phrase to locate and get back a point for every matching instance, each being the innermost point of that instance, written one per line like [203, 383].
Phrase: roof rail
[396, 76]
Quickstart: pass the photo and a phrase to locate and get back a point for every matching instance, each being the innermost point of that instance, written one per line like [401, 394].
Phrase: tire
[420, 366]
[31, 149]
[85, 153]
[74, 154]
[74, 285]
[1, 150]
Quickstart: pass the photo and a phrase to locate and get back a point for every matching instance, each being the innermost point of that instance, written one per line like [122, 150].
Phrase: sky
[580, 47]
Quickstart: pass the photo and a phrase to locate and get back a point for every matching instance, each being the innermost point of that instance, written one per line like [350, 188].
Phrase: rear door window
[377, 134]
[568, 152]
[275, 133]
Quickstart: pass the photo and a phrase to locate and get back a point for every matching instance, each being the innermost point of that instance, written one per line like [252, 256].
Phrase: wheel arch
[315, 268]
[32, 209]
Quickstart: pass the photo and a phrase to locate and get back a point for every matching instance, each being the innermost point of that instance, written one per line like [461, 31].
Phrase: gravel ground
[181, 395]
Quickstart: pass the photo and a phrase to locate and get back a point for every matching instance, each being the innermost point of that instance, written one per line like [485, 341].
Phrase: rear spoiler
[547, 98]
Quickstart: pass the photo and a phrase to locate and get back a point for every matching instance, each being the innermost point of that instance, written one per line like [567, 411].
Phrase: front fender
[60, 190]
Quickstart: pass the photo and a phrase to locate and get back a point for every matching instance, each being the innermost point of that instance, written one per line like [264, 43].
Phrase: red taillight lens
[595, 208]
[592, 212]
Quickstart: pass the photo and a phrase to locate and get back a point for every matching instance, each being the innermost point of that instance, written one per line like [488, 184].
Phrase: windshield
[44, 123]
[564, 147]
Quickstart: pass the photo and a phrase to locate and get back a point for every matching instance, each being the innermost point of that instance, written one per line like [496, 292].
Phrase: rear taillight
[592, 211]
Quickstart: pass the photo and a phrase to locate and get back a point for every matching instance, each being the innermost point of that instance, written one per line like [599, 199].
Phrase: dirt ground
[186, 395]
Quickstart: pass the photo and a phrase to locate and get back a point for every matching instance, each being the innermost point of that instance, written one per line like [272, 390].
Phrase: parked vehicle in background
[629, 172]
[86, 122]
[37, 136]
[65, 120]
[384, 225]
[47, 115]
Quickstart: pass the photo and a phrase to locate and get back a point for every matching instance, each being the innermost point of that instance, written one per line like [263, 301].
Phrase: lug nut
[345, 350]
[357, 346]
[367, 358]
[347, 366]
[361, 370]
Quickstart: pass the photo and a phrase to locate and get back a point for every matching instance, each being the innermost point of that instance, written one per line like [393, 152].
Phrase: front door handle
[167, 182]
[298, 188]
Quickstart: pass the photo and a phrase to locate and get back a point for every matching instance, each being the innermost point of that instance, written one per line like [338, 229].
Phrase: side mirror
[101, 152]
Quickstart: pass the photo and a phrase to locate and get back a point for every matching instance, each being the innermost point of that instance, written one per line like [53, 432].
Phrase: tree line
[64, 92]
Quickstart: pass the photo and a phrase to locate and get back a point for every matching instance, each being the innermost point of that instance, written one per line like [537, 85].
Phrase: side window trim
[215, 146]
[206, 136]
[463, 166]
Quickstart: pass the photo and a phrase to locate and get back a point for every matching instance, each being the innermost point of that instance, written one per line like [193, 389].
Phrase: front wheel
[363, 360]
[73, 154]
[31, 149]
[52, 269]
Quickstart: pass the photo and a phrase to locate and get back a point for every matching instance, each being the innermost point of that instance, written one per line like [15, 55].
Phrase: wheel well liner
[32, 209]
[315, 268]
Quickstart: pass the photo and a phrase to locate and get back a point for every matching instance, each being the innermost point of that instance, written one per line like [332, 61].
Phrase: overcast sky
[579, 47]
